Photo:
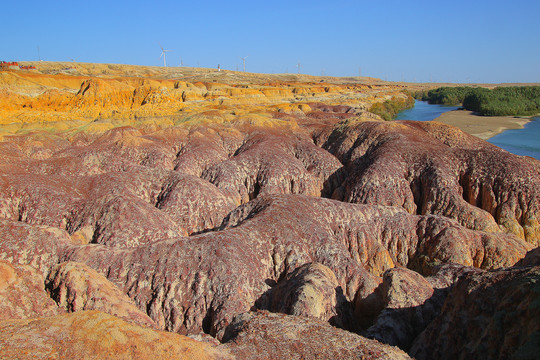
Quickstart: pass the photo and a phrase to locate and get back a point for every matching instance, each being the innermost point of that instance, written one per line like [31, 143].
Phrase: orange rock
[22, 294]
[93, 334]
[75, 287]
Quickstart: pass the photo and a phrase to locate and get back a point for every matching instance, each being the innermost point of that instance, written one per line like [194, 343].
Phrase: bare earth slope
[258, 215]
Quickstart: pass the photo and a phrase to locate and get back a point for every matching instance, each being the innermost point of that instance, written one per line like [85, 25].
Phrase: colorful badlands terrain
[191, 213]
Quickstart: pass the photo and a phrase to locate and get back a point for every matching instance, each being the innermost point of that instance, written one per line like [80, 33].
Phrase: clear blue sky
[458, 41]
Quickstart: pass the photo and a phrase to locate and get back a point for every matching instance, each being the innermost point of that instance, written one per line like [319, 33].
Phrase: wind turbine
[244, 61]
[163, 51]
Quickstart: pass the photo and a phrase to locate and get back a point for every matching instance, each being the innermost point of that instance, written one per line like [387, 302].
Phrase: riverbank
[484, 127]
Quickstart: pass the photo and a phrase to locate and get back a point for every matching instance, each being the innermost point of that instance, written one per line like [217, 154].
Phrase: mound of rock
[93, 334]
[273, 219]
[431, 168]
[491, 315]
[274, 336]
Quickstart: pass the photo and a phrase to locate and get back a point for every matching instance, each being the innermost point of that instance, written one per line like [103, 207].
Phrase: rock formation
[77, 287]
[22, 294]
[430, 168]
[479, 318]
[257, 215]
[275, 336]
[406, 303]
[93, 334]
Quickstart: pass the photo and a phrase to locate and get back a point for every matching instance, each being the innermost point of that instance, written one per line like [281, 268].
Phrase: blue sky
[457, 41]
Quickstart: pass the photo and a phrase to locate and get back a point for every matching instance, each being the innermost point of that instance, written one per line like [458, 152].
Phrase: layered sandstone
[264, 213]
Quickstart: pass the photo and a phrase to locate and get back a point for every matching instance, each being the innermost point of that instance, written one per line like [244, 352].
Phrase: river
[524, 141]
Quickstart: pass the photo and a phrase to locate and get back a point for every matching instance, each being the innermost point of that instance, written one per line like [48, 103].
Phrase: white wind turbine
[163, 51]
[244, 62]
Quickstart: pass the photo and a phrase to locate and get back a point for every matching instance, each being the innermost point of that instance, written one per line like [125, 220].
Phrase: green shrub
[389, 109]
[501, 101]
[449, 95]
[505, 101]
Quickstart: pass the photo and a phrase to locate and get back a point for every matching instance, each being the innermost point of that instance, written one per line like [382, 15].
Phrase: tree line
[501, 101]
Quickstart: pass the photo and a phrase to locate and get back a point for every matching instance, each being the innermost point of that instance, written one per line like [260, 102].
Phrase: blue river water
[524, 141]
[422, 111]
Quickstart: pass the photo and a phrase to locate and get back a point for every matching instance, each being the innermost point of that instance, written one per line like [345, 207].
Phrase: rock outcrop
[431, 168]
[200, 203]
[406, 303]
[310, 290]
[93, 334]
[187, 284]
[22, 294]
[76, 287]
[274, 336]
[490, 315]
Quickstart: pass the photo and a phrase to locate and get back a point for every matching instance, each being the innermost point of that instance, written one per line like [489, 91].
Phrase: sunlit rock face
[255, 212]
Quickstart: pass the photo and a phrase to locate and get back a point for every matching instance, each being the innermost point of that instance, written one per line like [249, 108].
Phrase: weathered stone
[273, 162]
[310, 290]
[431, 168]
[92, 335]
[409, 302]
[187, 285]
[75, 287]
[22, 294]
[531, 259]
[491, 315]
[38, 246]
[138, 181]
[264, 335]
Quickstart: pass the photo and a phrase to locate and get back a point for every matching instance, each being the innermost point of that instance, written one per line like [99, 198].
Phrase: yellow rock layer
[97, 97]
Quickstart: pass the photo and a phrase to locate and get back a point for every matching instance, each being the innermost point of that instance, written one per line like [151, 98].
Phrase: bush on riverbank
[389, 109]
[449, 95]
[505, 101]
[501, 101]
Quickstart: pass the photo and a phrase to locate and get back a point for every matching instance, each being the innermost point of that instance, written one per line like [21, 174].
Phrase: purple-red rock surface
[284, 227]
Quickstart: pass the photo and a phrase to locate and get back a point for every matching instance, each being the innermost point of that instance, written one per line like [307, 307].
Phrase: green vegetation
[448, 95]
[389, 109]
[505, 101]
[501, 101]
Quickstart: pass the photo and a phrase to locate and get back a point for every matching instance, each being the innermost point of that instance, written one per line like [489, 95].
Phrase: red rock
[273, 162]
[491, 315]
[22, 294]
[407, 302]
[310, 290]
[123, 203]
[201, 282]
[38, 246]
[76, 287]
[430, 168]
[264, 335]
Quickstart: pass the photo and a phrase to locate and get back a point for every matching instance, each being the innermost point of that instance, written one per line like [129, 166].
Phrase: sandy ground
[484, 127]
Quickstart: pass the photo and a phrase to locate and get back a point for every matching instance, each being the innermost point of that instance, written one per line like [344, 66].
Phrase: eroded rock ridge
[301, 228]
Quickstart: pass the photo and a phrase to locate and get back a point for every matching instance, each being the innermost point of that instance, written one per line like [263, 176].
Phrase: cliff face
[295, 201]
